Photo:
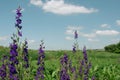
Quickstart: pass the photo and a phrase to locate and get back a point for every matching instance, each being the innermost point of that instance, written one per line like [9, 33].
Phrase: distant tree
[114, 48]
[117, 48]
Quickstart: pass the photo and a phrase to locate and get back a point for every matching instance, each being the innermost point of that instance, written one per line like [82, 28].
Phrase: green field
[105, 66]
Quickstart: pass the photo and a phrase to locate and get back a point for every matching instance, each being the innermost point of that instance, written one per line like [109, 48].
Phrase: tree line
[114, 48]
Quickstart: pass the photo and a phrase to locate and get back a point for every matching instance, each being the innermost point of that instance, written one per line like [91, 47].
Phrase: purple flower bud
[26, 58]
[26, 42]
[19, 21]
[13, 50]
[41, 50]
[18, 26]
[63, 73]
[25, 54]
[19, 33]
[12, 69]
[85, 54]
[74, 49]
[76, 35]
[19, 14]
[18, 11]
[64, 60]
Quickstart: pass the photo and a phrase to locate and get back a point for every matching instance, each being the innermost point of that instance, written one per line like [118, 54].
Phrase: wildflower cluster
[13, 52]
[73, 70]
[84, 66]
[40, 63]
[25, 54]
[75, 46]
[18, 21]
[64, 68]
[13, 73]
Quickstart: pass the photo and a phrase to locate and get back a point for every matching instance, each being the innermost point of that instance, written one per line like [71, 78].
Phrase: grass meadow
[105, 65]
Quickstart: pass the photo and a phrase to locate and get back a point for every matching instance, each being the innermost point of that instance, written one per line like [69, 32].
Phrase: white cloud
[93, 40]
[60, 7]
[36, 2]
[118, 22]
[91, 35]
[3, 38]
[105, 25]
[69, 31]
[69, 38]
[74, 27]
[107, 32]
[31, 41]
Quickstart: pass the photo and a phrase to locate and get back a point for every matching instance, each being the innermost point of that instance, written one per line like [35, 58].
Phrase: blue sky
[54, 21]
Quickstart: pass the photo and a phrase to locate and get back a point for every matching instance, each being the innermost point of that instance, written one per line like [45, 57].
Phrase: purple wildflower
[3, 67]
[40, 63]
[41, 54]
[18, 21]
[74, 49]
[85, 55]
[19, 15]
[3, 73]
[13, 53]
[18, 12]
[12, 72]
[85, 65]
[64, 60]
[75, 46]
[75, 34]
[39, 73]
[25, 54]
[73, 70]
[63, 73]
[12, 69]
[19, 33]
[18, 26]
[81, 67]
[14, 48]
